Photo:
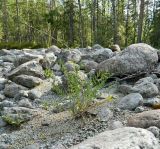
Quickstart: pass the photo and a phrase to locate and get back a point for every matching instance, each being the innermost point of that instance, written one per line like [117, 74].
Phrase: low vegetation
[80, 93]
[48, 73]
[12, 121]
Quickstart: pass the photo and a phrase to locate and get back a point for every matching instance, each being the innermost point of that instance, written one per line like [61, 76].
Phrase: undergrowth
[81, 93]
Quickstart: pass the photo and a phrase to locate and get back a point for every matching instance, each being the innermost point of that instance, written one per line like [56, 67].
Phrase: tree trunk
[140, 22]
[81, 24]
[18, 38]
[115, 25]
[5, 21]
[127, 21]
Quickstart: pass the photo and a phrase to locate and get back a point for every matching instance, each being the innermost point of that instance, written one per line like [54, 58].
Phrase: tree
[140, 21]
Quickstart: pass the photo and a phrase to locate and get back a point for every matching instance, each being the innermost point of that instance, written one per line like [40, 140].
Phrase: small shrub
[81, 93]
[12, 121]
[48, 73]
[100, 77]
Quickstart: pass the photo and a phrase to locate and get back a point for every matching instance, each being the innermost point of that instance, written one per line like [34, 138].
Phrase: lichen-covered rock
[12, 89]
[40, 90]
[32, 68]
[135, 58]
[28, 81]
[122, 138]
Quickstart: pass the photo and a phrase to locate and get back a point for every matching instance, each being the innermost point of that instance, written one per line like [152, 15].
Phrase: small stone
[139, 109]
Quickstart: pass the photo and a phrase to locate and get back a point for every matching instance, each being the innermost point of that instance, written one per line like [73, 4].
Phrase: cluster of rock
[23, 83]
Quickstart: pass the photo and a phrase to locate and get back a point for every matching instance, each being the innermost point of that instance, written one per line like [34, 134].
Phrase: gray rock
[12, 89]
[40, 90]
[24, 102]
[139, 109]
[115, 124]
[33, 146]
[157, 83]
[97, 46]
[19, 113]
[102, 112]
[125, 89]
[25, 57]
[2, 97]
[28, 81]
[3, 81]
[152, 102]
[88, 65]
[6, 103]
[70, 66]
[155, 131]
[56, 67]
[48, 60]
[131, 101]
[146, 79]
[2, 123]
[74, 55]
[135, 58]
[145, 119]
[122, 138]
[54, 49]
[32, 68]
[146, 89]
[101, 55]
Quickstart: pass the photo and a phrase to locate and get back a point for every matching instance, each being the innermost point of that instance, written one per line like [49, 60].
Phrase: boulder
[146, 89]
[27, 81]
[70, 66]
[131, 101]
[97, 46]
[101, 54]
[40, 90]
[12, 89]
[88, 65]
[135, 58]
[145, 119]
[152, 102]
[54, 49]
[155, 131]
[48, 60]
[122, 138]
[72, 55]
[32, 68]
[2, 83]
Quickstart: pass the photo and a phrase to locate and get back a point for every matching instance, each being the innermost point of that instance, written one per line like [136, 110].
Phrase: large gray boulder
[122, 138]
[135, 58]
[32, 68]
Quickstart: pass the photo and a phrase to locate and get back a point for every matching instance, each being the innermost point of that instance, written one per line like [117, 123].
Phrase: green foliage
[17, 45]
[100, 77]
[48, 73]
[12, 121]
[81, 93]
